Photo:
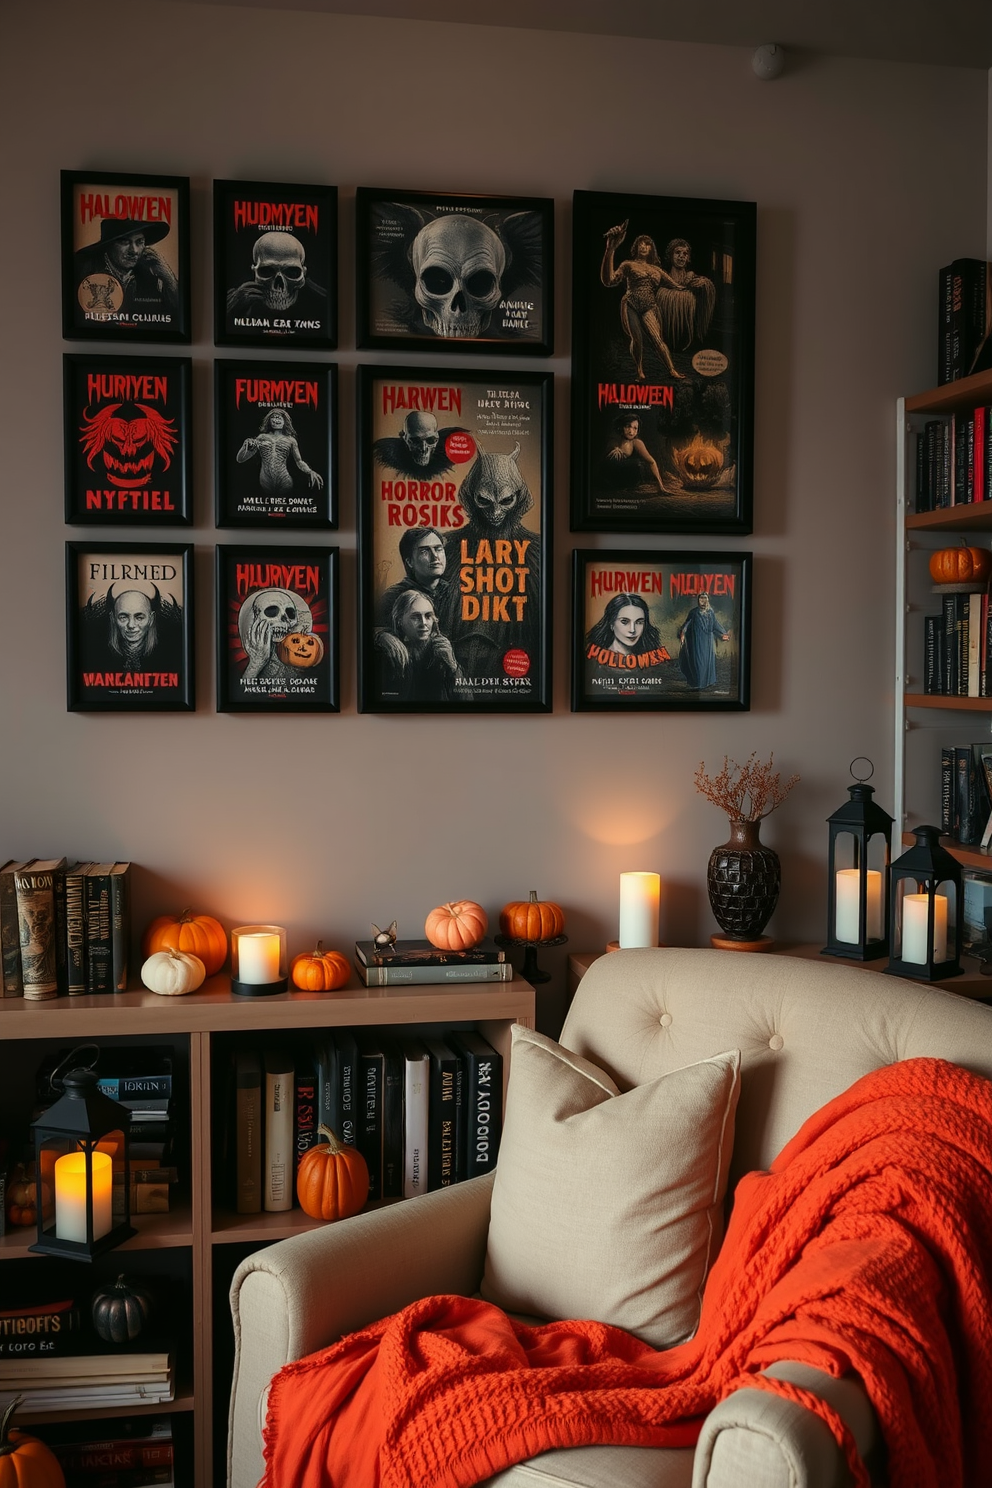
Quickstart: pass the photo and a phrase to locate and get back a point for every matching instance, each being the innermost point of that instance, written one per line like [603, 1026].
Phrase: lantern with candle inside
[259, 961]
[640, 902]
[858, 873]
[925, 921]
[81, 1143]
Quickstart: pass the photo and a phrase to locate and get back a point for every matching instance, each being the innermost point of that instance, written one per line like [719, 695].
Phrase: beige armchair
[806, 1030]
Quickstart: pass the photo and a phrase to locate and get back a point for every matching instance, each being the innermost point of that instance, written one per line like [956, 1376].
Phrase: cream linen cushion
[608, 1205]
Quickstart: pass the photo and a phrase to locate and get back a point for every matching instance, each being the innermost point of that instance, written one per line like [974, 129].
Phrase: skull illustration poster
[468, 273]
[277, 629]
[129, 626]
[275, 264]
[455, 540]
[654, 631]
[127, 440]
[125, 257]
[275, 446]
[662, 364]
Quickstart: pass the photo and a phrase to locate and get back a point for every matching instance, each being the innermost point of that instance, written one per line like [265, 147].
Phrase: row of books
[418, 961]
[954, 460]
[957, 647]
[424, 1112]
[131, 1453]
[64, 927]
[964, 319]
[966, 793]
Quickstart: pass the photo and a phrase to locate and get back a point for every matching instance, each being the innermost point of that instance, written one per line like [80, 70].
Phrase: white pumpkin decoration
[173, 973]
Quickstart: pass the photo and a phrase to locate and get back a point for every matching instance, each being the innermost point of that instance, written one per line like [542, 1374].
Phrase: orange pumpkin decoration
[319, 970]
[961, 565]
[456, 926]
[333, 1180]
[25, 1462]
[301, 649]
[199, 934]
[533, 920]
[22, 1197]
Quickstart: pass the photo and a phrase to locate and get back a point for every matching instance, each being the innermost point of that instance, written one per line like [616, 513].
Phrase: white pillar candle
[914, 928]
[70, 1196]
[640, 897]
[258, 958]
[846, 917]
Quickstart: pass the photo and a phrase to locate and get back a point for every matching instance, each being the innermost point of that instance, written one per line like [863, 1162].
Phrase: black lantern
[858, 877]
[925, 911]
[80, 1143]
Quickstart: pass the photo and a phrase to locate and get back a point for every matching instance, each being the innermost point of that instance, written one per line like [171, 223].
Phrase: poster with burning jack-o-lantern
[127, 440]
[277, 629]
[275, 264]
[662, 364]
[468, 273]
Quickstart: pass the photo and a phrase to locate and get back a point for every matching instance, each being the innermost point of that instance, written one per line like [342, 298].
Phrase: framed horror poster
[277, 629]
[125, 257]
[660, 631]
[455, 540]
[275, 445]
[662, 364]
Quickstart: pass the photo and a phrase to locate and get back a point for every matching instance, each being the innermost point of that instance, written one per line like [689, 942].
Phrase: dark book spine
[35, 891]
[967, 313]
[10, 937]
[99, 946]
[964, 805]
[348, 1077]
[921, 492]
[328, 1096]
[946, 789]
[306, 1109]
[944, 318]
[120, 926]
[960, 460]
[61, 935]
[369, 1124]
[441, 1115]
[979, 442]
[931, 654]
[248, 1131]
[37, 1332]
[949, 611]
[392, 1123]
[930, 465]
[75, 929]
[483, 1102]
[945, 466]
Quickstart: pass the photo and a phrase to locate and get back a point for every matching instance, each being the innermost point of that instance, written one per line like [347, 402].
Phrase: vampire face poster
[275, 264]
[127, 440]
[661, 631]
[469, 272]
[277, 630]
[125, 257]
[663, 364]
[455, 540]
[275, 446]
[129, 626]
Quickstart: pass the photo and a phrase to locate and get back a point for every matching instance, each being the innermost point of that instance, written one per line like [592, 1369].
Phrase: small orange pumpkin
[22, 1195]
[533, 920]
[25, 1462]
[199, 934]
[333, 1179]
[301, 649]
[961, 565]
[319, 970]
[456, 926]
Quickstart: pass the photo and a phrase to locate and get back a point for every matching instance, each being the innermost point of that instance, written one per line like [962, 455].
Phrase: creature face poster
[662, 364]
[277, 629]
[468, 273]
[275, 264]
[275, 444]
[455, 540]
[129, 626]
[125, 257]
[127, 440]
[655, 631]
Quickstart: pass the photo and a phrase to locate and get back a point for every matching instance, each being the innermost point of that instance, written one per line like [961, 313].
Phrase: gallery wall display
[660, 631]
[275, 444]
[662, 363]
[455, 540]
[277, 629]
[454, 273]
[129, 627]
[275, 264]
[127, 440]
[125, 257]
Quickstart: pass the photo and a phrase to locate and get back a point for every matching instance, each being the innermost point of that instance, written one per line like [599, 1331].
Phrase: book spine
[120, 927]
[10, 936]
[441, 1118]
[99, 948]
[277, 1174]
[369, 1123]
[484, 1111]
[397, 976]
[153, 1089]
[964, 804]
[128, 1463]
[346, 1049]
[393, 1120]
[960, 460]
[946, 465]
[921, 492]
[962, 610]
[988, 453]
[248, 1131]
[305, 1110]
[37, 1333]
[975, 634]
[416, 1168]
[61, 937]
[931, 654]
[35, 892]
[946, 789]
[75, 931]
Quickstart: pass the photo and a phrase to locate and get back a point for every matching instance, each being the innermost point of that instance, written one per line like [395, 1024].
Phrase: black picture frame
[157, 676]
[282, 292]
[662, 364]
[407, 240]
[265, 475]
[274, 604]
[115, 288]
[472, 436]
[127, 440]
[636, 646]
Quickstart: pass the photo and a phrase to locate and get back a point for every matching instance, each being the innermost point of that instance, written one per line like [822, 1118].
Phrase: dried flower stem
[747, 792]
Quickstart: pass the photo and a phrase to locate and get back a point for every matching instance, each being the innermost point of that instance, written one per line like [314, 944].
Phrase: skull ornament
[419, 434]
[278, 261]
[459, 264]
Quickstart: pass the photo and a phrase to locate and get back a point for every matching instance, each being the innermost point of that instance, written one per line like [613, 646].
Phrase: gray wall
[867, 177]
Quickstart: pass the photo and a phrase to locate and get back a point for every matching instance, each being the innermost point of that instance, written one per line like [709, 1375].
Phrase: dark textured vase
[743, 879]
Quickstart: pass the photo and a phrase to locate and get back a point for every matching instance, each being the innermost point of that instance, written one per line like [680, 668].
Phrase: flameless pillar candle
[258, 958]
[846, 918]
[640, 896]
[914, 928]
[70, 1196]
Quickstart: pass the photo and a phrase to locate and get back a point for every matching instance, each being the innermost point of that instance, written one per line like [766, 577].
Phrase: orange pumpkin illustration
[301, 649]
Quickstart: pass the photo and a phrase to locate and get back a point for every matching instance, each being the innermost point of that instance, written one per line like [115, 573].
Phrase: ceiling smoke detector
[768, 61]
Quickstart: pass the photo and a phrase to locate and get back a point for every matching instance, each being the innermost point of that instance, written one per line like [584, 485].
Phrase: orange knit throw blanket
[866, 1248]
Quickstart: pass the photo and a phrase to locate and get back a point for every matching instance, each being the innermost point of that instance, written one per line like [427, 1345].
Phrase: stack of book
[418, 961]
[957, 647]
[133, 1454]
[954, 459]
[87, 1381]
[966, 793]
[964, 318]
[64, 927]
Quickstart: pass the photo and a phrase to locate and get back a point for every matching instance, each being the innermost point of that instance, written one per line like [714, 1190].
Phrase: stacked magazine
[418, 961]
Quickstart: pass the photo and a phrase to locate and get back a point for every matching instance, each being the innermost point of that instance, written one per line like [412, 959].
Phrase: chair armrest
[302, 1294]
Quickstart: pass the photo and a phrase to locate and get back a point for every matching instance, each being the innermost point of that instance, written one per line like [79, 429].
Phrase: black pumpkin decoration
[121, 1311]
